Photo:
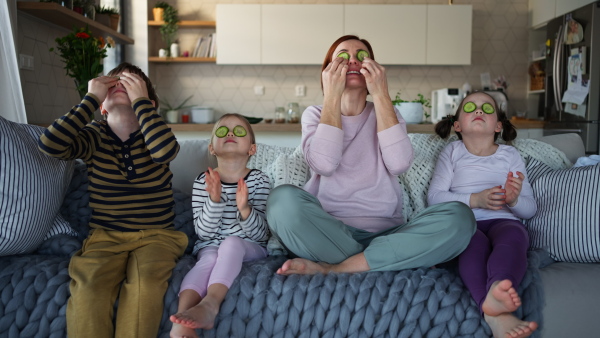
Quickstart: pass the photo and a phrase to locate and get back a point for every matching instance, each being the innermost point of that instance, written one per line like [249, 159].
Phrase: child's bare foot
[303, 267]
[179, 331]
[501, 298]
[201, 316]
[508, 326]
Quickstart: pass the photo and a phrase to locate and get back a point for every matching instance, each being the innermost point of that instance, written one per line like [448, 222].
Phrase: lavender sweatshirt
[354, 169]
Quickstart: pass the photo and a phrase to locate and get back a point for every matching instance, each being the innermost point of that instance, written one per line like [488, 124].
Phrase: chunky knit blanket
[410, 303]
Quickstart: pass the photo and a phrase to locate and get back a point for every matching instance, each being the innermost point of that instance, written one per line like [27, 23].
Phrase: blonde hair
[244, 121]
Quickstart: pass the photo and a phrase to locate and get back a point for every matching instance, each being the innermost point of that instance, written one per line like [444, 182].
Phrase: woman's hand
[135, 86]
[213, 185]
[334, 77]
[493, 199]
[241, 198]
[513, 187]
[99, 86]
[375, 77]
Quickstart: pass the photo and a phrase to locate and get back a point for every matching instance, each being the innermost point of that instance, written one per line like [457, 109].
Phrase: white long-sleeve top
[458, 174]
[216, 221]
[354, 169]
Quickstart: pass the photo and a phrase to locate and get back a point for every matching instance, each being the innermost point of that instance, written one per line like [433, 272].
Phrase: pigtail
[444, 127]
[509, 132]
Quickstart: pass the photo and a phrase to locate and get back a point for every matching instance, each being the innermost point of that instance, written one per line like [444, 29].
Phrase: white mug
[162, 53]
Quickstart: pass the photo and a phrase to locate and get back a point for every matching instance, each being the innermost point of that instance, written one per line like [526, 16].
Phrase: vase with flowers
[82, 54]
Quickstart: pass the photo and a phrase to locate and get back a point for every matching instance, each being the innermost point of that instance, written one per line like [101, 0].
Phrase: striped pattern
[567, 223]
[216, 221]
[130, 182]
[32, 188]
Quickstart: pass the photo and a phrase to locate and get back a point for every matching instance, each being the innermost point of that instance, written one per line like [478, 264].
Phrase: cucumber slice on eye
[239, 131]
[221, 132]
[362, 54]
[469, 107]
[487, 108]
[344, 55]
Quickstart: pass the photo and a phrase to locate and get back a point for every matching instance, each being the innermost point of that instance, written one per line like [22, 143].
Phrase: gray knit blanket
[410, 303]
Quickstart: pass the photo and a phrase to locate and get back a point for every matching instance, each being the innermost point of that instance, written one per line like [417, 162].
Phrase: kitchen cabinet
[299, 34]
[542, 11]
[565, 6]
[449, 34]
[184, 24]
[398, 34]
[239, 34]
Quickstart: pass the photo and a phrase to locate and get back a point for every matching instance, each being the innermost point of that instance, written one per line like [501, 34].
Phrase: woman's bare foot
[508, 326]
[180, 331]
[201, 316]
[303, 267]
[501, 298]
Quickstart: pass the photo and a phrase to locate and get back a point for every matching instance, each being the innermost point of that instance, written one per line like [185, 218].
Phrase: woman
[349, 218]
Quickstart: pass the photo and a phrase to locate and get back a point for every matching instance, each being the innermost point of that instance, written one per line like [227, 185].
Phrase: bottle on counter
[293, 113]
[280, 115]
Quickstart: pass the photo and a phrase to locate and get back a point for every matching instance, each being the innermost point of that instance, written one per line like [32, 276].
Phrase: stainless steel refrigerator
[574, 37]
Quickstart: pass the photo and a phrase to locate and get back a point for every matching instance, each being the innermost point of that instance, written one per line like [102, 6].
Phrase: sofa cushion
[32, 187]
[567, 222]
[192, 159]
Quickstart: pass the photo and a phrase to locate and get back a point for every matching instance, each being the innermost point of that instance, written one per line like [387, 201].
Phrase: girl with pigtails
[491, 179]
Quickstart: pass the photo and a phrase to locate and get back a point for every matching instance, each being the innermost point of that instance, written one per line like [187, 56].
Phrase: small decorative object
[108, 16]
[413, 111]
[172, 114]
[168, 29]
[280, 115]
[174, 50]
[163, 53]
[185, 54]
[158, 13]
[78, 6]
[202, 115]
[82, 54]
[500, 83]
[293, 114]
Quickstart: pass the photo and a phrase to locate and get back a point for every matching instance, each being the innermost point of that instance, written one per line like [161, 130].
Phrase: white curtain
[13, 106]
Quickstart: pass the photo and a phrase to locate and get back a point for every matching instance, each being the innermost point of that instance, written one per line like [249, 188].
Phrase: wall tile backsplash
[499, 47]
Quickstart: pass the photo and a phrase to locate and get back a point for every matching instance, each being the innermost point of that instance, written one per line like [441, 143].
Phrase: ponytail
[444, 127]
[509, 131]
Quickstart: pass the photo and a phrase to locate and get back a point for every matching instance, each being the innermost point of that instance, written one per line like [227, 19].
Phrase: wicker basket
[536, 82]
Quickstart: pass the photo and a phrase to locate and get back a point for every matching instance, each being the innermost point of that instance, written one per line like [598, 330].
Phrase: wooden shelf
[539, 91]
[64, 17]
[159, 59]
[188, 24]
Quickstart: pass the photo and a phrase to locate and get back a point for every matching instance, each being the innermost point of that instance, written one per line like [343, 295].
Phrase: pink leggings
[221, 264]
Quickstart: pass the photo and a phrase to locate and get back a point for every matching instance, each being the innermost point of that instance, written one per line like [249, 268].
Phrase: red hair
[329, 55]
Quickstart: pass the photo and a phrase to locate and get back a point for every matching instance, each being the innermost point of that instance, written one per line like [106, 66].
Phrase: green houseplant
[413, 111]
[108, 16]
[172, 111]
[170, 18]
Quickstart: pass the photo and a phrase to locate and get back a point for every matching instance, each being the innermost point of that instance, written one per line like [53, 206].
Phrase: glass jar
[279, 115]
[293, 113]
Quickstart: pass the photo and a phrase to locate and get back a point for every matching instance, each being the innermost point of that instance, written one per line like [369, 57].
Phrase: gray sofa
[563, 297]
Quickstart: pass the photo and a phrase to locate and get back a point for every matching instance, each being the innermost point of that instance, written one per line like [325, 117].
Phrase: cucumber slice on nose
[487, 108]
[221, 132]
[362, 54]
[239, 131]
[469, 107]
[344, 55]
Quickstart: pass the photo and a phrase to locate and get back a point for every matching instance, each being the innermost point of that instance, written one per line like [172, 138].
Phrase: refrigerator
[572, 68]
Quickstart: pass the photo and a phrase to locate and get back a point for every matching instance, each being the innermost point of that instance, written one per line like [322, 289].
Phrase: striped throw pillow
[567, 222]
[32, 188]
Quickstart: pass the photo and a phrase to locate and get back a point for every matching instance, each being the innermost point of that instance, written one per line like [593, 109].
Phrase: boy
[132, 247]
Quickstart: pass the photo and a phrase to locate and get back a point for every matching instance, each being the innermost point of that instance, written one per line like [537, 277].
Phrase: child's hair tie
[450, 117]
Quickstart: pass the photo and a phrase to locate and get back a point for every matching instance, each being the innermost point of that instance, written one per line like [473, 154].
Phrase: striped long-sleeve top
[129, 181]
[216, 221]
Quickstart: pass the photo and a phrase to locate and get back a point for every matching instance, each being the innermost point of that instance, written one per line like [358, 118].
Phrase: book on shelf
[213, 46]
[197, 48]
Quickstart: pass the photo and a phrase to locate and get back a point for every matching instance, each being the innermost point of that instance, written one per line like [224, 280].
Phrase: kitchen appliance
[561, 117]
[444, 102]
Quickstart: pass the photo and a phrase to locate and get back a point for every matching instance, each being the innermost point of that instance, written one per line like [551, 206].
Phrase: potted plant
[170, 18]
[108, 16]
[172, 114]
[413, 111]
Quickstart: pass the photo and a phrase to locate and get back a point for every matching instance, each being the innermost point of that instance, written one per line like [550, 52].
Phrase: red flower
[82, 35]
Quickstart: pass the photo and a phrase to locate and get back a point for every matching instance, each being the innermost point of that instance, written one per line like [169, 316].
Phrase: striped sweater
[130, 181]
[216, 221]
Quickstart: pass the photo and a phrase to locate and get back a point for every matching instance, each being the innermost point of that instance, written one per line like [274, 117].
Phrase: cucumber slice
[362, 54]
[469, 107]
[487, 108]
[239, 131]
[344, 55]
[221, 131]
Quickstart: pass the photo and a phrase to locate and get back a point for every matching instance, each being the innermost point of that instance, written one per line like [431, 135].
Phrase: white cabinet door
[449, 34]
[541, 11]
[238, 34]
[566, 6]
[299, 34]
[397, 33]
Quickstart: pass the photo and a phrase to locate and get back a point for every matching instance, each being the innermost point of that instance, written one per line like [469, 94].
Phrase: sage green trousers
[436, 235]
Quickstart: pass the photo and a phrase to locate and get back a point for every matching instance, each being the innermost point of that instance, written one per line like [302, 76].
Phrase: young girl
[229, 205]
[490, 178]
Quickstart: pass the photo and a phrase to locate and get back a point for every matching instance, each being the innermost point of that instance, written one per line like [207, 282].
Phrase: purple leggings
[497, 251]
[221, 264]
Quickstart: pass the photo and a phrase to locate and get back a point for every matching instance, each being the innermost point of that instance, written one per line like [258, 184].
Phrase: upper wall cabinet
[239, 36]
[542, 11]
[398, 34]
[302, 34]
[449, 34]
